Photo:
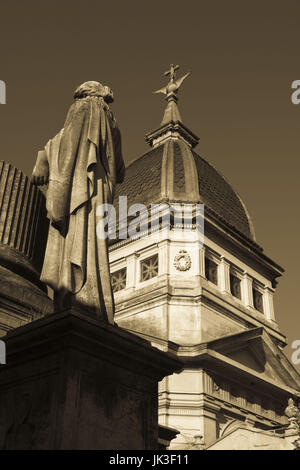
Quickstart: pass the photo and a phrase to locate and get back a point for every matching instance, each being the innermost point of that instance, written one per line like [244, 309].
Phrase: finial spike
[171, 126]
[171, 90]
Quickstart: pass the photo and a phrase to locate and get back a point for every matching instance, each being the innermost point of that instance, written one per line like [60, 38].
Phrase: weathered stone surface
[23, 223]
[72, 382]
[23, 236]
[20, 301]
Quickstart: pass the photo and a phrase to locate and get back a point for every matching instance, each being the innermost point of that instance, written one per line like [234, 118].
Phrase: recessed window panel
[149, 268]
[258, 300]
[118, 280]
[211, 271]
[235, 286]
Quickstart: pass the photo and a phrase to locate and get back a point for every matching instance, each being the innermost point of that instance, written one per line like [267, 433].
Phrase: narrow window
[235, 286]
[211, 271]
[118, 280]
[258, 300]
[149, 268]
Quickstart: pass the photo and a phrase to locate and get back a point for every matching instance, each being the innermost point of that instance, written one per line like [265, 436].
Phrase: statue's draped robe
[85, 163]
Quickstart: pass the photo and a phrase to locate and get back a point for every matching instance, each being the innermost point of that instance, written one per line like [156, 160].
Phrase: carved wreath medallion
[182, 261]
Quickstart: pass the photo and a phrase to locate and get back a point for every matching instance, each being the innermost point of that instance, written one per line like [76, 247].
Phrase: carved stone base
[72, 382]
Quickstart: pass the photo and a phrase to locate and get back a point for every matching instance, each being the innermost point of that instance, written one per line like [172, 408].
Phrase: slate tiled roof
[220, 197]
[142, 180]
[142, 184]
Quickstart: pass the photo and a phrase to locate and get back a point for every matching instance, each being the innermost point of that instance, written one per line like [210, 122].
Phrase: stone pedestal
[72, 382]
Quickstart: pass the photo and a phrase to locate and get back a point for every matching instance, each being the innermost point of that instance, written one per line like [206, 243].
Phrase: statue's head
[93, 88]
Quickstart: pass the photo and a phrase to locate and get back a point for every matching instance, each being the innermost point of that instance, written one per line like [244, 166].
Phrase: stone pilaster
[202, 261]
[247, 293]
[224, 272]
[164, 258]
[268, 304]
[131, 270]
[208, 419]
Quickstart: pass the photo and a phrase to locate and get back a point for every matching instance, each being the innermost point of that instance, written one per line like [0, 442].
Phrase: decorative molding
[172, 129]
[182, 261]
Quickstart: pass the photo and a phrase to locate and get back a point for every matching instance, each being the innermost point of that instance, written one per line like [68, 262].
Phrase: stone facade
[218, 318]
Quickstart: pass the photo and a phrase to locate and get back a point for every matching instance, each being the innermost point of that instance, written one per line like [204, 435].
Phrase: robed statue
[81, 165]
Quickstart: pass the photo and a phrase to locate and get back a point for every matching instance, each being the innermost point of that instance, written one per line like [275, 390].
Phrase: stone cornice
[173, 129]
[198, 356]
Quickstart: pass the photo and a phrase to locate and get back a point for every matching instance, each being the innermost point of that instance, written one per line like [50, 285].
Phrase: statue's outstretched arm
[40, 174]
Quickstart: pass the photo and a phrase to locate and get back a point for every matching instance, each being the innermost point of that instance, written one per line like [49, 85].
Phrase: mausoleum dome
[172, 172]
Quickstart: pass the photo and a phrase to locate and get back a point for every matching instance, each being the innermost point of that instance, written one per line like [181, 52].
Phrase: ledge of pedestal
[77, 330]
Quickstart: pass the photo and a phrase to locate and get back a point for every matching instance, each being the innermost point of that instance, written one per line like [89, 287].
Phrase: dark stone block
[72, 382]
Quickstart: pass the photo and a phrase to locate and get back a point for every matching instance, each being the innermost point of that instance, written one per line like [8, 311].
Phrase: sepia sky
[243, 56]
